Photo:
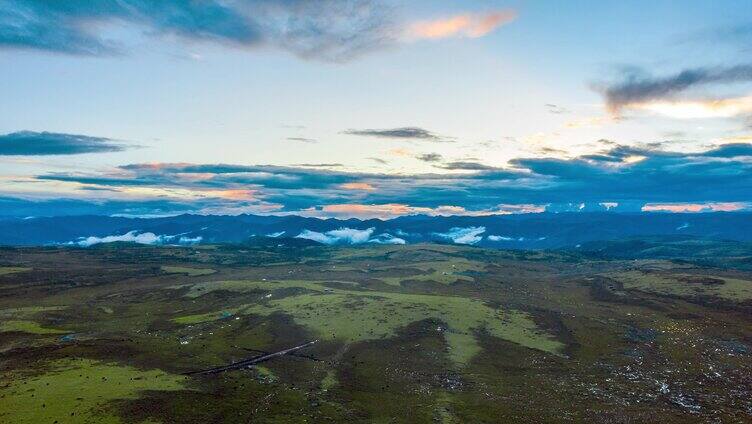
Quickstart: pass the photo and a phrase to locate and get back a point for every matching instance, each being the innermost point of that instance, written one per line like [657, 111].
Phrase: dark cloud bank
[46, 143]
[636, 87]
[722, 174]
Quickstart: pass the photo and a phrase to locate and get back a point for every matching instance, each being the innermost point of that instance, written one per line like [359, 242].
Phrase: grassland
[445, 272]
[4, 270]
[26, 327]
[76, 391]
[687, 285]
[328, 314]
[418, 334]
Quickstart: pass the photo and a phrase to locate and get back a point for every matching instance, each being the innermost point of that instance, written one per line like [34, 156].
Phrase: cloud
[617, 177]
[327, 30]
[730, 150]
[470, 25]
[381, 211]
[697, 207]
[469, 235]
[378, 160]
[346, 235]
[302, 139]
[697, 109]
[500, 238]
[404, 133]
[135, 237]
[467, 166]
[46, 143]
[518, 209]
[319, 165]
[430, 157]
[340, 236]
[331, 30]
[357, 186]
[386, 238]
[637, 88]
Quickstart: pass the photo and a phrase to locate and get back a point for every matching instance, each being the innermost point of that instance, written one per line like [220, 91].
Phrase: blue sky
[374, 107]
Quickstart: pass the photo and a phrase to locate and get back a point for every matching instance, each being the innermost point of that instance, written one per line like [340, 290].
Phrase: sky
[374, 108]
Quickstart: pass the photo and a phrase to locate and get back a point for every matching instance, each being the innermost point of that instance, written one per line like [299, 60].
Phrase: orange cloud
[470, 25]
[696, 109]
[695, 207]
[194, 176]
[382, 211]
[156, 166]
[357, 186]
[399, 152]
[232, 194]
[391, 210]
[736, 139]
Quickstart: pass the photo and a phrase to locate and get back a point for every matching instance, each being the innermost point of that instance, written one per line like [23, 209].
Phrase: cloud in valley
[339, 236]
[139, 238]
[346, 235]
[469, 235]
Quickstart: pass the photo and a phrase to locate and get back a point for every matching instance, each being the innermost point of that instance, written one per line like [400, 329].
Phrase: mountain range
[521, 231]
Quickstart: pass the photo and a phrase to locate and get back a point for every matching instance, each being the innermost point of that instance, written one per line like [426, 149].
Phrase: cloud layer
[328, 30]
[618, 178]
[469, 235]
[331, 30]
[136, 237]
[46, 143]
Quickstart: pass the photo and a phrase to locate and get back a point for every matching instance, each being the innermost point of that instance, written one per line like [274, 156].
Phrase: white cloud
[386, 238]
[350, 236]
[186, 240]
[341, 235]
[469, 235]
[500, 238]
[134, 237]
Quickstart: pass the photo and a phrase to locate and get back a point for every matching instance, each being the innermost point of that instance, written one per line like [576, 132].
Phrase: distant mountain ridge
[523, 231]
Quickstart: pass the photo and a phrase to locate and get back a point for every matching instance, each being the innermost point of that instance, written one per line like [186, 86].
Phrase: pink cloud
[391, 210]
[470, 25]
[230, 194]
[695, 207]
[357, 186]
